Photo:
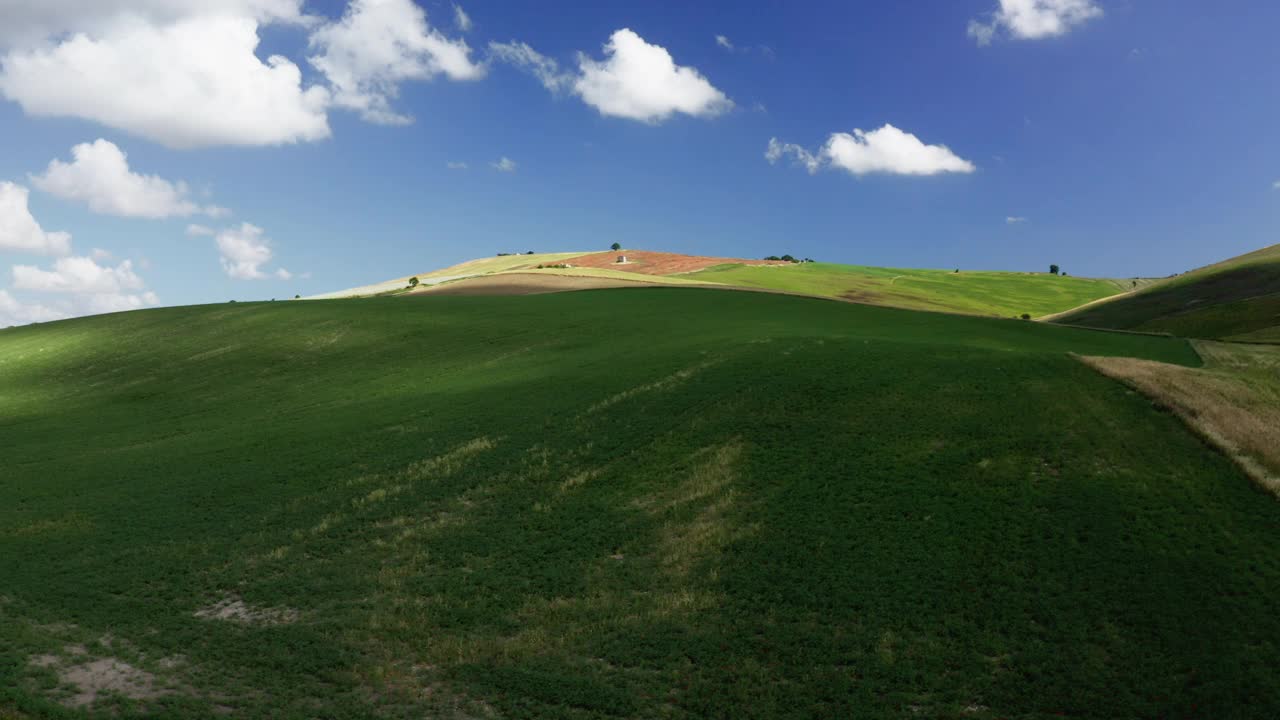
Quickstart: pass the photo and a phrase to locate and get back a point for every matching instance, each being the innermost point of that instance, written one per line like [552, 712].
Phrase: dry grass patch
[233, 609]
[1233, 402]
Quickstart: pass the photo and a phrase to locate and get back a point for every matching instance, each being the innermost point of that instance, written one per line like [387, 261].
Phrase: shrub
[615, 247]
[1026, 316]
[413, 281]
[1053, 269]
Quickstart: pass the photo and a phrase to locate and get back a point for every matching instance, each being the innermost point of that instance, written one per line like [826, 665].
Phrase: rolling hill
[1002, 294]
[1236, 299]
[656, 502]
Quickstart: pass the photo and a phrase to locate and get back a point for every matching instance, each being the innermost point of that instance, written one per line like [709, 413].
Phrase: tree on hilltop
[615, 247]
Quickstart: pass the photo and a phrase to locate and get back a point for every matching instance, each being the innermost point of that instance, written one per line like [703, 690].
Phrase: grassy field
[1237, 299]
[629, 503]
[1004, 294]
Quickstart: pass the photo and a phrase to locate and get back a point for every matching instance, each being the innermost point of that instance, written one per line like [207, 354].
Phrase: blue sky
[1114, 138]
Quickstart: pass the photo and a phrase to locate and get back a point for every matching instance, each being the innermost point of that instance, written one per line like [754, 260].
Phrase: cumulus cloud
[1014, 220]
[1034, 19]
[504, 164]
[377, 45]
[78, 275]
[99, 175]
[245, 250]
[461, 19]
[884, 150]
[195, 81]
[640, 81]
[635, 79]
[18, 227]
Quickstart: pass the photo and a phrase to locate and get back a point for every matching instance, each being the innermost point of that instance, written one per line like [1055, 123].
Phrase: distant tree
[788, 258]
[1026, 316]
[615, 247]
[413, 281]
[529, 253]
[808, 260]
[772, 257]
[297, 297]
[1053, 269]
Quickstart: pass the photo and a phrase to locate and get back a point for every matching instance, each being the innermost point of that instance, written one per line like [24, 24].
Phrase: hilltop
[1002, 294]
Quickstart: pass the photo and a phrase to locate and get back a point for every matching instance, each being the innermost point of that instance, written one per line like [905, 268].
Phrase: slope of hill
[1237, 299]
[1002, 294]
[625, 503]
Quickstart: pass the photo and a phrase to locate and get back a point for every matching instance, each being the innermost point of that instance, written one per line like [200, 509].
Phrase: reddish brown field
[658, 263]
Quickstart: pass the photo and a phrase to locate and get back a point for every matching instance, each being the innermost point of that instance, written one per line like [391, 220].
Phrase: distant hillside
[1236, 299]
[1004, 294]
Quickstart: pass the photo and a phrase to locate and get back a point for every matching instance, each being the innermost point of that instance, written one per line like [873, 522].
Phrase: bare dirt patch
[96, 677]
[233, 609]
[659, 263]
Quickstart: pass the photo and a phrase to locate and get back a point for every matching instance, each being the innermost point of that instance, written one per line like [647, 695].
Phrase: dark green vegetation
[627, 503]
[1004, 294]
[1238, 299]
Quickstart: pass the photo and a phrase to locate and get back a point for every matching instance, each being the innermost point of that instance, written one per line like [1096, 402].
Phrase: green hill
[1002, 294]
[629, 503]
[1237, 299]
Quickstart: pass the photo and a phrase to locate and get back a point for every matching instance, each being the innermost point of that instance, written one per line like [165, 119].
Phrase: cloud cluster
[186, 74]
[378, 44]
[18, 227]
[884, 150]
[1034, 19]
[245, 249]
[83, 287]
[99, 175]
[635, 79]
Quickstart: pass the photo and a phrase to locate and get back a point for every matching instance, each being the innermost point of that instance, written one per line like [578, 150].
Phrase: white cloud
[244, 251]
[100, 254]
[640, 81]
[377, 45]
[15, 312]
[545, 69]
[777, 150]
[461, 19]
[19, 229]
[724, 42]
[1014, 220]
[1034, 19]
[635, 80]
[456, 165]
[195, 230]
[885, 150]
[78, 275]
[190, 81]
[504, 164]
[27, 22]
[99, 175]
